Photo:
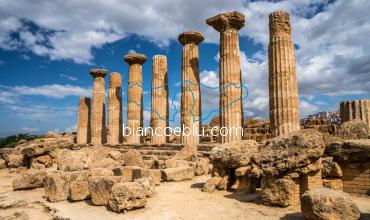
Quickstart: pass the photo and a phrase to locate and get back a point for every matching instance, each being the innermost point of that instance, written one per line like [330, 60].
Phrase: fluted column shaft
[98, 108]
[283, 86]
[355, 109]
[115, 109]
[160, 109]
[190, 87]
[84, 122]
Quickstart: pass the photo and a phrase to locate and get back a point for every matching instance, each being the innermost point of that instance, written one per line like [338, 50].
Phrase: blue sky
[47, 49]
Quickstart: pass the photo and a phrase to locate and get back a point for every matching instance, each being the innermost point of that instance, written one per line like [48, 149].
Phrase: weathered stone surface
[171, 163]
[231, 116]
[56, 185]
[115, 129]
[70, 160]
[336, 184]
[15, 160]
[42, 162]
[128, 173]
[153, 174]
[190, 96]
[148, 186]
[101, 172]
[283, 155]
[327, 204]
[350, 150]
[134, 97]
[159, 114]
[279, 192]
[244, 184]
[330, 168]
[100, 188]
[84, 121]
[283, 86]
[127, 196]
[211, 184]
[78, 185]
[202, 166]
[355, 129]
[29, 179]
[52, 134]
[356, 110]
[233, 155]
[3, 164]
[44, 146]
[98, 130]
[133, 158]
[178, 173]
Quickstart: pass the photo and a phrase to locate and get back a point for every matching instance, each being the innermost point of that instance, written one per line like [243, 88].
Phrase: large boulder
[294, 153]
[71, 160]
[41, 162]
[127, 196]
[29, 179]
[328, 204]
[102, 157]
[100, 188]
[178, 173]
[78, 185]
[133, 158]
[56, 185]
[128, 173]
[354, 129]
[280, 191]
[211, 184]
[233, 155]
[354, 151]
[3, 164]
[44, 146]
[201, 166]
[15, 160]
[330, 168]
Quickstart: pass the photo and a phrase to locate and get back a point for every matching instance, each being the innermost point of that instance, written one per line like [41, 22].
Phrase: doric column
[134, 96]
[231, 107]
[283, 86]
[190, 87]
[355, 109]
[115, 109]
[84, 122]
[98, 107]
[160, 109]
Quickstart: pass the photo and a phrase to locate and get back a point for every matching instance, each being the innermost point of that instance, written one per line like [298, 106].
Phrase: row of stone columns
[283, 88]
[355, 109]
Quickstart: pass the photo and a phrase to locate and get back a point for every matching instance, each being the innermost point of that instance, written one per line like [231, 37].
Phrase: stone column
[283, 86]
[84, 122]
[355, 109]
[160, 109]
[231, 107]
[190, 87]
[98, 107]
[134, 97]
[115, 109]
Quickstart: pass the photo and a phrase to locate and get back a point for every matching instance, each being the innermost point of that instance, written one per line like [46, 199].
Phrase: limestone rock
[233, 155]
[128, 173]
[100, 188]
[350, 150]
[127, 196]
[283, 155]
[101, 172]
[148, 186]
[327, 204]
[171, 163]
[153, 174]
[29, 179]
[211, 184]
[78, 185]
[354, 129]
[244, 184]
[44, 146]
[56, 185]
[42, 162]
[71, 160]
[2, 164]
[330, 168]
[336, 184]
[133, 158]
[52, 134]
[15, 160]
[202, 166]
[279, 192]
[178, 173]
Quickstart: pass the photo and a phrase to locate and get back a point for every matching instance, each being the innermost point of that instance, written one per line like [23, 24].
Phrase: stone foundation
[356, 178]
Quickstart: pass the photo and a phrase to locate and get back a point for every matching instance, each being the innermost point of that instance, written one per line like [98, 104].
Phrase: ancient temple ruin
[355, 109]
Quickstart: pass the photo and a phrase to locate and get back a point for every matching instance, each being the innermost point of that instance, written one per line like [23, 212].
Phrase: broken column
[84, 122]
[134, 97]
[355, 109]
[115, 109]
[190, 87]
[231, 107]
[98, 107]
[159, 115]
[283, 86]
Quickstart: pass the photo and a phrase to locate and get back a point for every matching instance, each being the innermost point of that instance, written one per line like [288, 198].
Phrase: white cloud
[306, 108]
[72, 78]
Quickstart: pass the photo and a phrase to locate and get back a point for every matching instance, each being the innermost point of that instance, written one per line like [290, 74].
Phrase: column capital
[191, 37]
[98, 72]
[135, 58]
[228, 20]
[279, 22]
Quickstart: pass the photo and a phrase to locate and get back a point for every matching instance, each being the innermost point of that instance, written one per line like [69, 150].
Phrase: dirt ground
[174, 200]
